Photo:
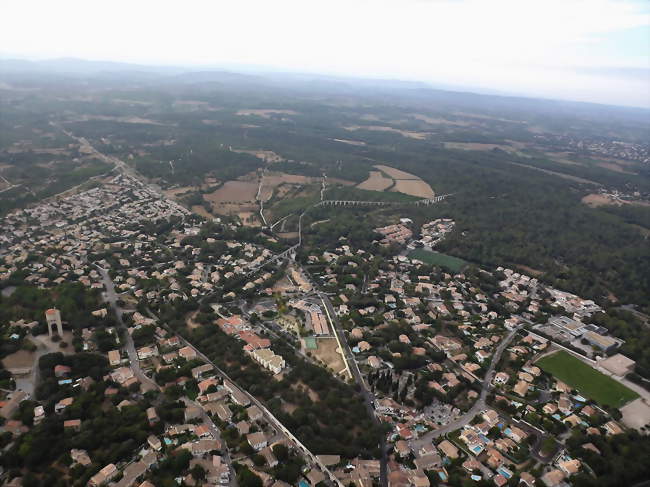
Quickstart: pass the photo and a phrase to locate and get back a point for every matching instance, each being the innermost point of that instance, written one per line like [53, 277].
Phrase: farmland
[588, 381]
[376, 182]
[454, 264]
[398, 181]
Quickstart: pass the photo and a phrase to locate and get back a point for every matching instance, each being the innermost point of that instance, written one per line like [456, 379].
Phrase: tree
[246, 478]
[281, 452]
[198, 472]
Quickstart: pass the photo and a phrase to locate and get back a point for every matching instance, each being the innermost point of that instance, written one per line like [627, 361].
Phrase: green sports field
[454, 264]
[586, 380]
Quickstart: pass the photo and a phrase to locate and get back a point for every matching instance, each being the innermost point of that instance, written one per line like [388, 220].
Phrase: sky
[584, 50]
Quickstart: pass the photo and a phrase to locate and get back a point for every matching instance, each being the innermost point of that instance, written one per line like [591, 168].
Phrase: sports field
[454, 264]
[588, 381]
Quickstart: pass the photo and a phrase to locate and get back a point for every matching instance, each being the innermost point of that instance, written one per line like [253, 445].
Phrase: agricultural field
[380, 128]
[454, 264]
[586, 380]
[376, 182]
[264, 113]
[414, 187]
[391, 179]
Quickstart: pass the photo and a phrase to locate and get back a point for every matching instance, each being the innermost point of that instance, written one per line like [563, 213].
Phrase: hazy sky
[590, 50]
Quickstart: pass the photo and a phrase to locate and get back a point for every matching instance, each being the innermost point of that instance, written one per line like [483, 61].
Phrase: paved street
[110, 297]
[217, 436]
[478, 406]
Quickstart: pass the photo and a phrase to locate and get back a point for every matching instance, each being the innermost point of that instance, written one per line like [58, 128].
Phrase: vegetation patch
[454, 264]
[588, 381]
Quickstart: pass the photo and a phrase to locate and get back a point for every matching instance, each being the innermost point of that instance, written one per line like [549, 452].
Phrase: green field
[453, 264]
[588, 381]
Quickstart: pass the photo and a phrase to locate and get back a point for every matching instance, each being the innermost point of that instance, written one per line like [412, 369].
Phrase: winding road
[478, 406]
[110, 297]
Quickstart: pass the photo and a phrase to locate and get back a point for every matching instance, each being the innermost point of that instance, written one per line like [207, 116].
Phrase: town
[178, 329]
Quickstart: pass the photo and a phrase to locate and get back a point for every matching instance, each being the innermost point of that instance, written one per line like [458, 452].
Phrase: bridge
[290, 252]
[424, 202]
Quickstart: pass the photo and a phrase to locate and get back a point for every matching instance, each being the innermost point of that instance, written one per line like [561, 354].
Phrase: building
[104, 475]
[268, 359]
[114, 358]
[448, 449]
[154, 442]
[188, 353]
[73, 424]
[605, 343]
[575, 328]
[257, 440]
[53, 318]
[152, 416]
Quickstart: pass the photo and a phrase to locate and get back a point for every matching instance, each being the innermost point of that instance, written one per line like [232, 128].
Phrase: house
[501, 378]
[428, 461]
[243, 427]
[62, 404]
[315, 477]
[104, 475]
[257, 440]
[72, 424]
[223, 412]
[527, 479]
[402, 449]
[364, 346]
[62, 371]
[80, 456]
[564, 404]
[147, 352]
[374, 362]
[268, 455]
[152, 416]
[613, 428]
[236, 394]
[448, 449]
[521, 388]
[197, 372]
[204, 446]
[206, 384]
[154, 442]
[516, 434]
[491, 417]
[202, 431]
[570, 467]
[573, 420]
[254, 413]
[192, 412]
[39, 414]
[553, 478]
[11, 406]
[549, 408]
[188, 353]
[114, 358]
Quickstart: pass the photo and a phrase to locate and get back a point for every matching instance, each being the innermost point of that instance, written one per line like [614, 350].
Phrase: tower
[53, 317]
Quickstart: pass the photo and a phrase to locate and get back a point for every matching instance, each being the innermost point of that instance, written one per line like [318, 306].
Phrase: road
[216, 433]
[353, 370]
[478, 406]
[110, 296]
[148, 384]
[270, 418]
